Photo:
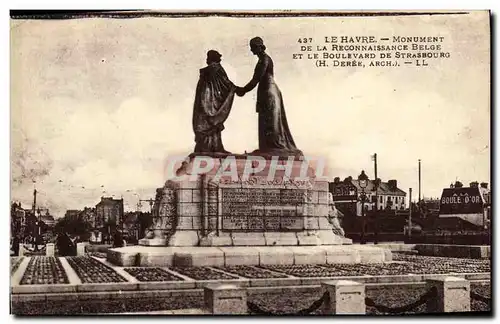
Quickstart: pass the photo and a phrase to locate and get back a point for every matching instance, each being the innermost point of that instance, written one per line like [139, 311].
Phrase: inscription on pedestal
[252, 209]
[211, 207]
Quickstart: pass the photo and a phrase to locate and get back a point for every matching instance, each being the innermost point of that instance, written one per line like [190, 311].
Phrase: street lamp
[363, 183]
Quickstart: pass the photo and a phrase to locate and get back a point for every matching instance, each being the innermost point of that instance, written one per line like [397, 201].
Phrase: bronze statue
[274, 134]
[213, 101]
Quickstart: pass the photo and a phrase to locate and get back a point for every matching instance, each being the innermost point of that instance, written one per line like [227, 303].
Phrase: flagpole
[419, 181]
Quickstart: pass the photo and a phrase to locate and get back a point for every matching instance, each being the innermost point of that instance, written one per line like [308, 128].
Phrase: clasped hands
[240, 91]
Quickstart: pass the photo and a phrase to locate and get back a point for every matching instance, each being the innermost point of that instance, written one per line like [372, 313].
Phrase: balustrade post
[225, 299]
[453, 295]
[346, 297]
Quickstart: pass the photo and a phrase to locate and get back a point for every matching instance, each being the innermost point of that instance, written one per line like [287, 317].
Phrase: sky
[98, 105]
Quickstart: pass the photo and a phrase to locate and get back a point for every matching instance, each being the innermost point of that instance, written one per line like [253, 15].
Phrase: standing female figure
[274, 134]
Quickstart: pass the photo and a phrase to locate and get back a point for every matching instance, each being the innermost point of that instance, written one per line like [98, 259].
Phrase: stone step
[246, 255]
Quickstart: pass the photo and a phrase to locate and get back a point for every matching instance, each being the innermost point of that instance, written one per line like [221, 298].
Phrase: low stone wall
[457, 251]
[468, 238]
[444, 295]
[258, 255]
[396, 247]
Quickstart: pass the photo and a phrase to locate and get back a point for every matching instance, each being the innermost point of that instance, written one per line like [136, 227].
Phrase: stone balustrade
[448, 294]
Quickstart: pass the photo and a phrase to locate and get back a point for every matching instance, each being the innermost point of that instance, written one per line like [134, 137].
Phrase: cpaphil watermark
[182, 168]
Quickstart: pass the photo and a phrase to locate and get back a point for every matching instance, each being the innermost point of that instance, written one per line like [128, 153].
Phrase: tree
[76, 226]
[15, 224]
[60, 226]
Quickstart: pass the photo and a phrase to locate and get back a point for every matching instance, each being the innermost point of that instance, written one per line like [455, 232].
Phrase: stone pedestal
[225, 300]
[261, 218]
[453, 295]
[281, 203]
[177, 256]
[346, 297]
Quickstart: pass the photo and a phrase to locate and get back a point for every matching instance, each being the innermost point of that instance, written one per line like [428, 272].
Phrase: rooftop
[383, 188]
[110, 200]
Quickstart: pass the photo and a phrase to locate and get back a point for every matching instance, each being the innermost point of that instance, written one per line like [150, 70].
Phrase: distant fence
[470, 238]
[478, 238]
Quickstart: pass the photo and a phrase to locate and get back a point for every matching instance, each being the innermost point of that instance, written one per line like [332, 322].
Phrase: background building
[71, 215]
[48, 219]
[471, 204]
[109, 216]
[347, 196]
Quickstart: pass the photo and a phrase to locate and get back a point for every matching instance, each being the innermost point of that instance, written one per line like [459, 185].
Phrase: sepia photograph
[247, 163]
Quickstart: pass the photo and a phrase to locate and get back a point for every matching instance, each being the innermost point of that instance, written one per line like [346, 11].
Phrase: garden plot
[151, 274]
[203, 273]
[252, 272]
[307, 270]
[429, 264]
[44, 270]
[90, 270]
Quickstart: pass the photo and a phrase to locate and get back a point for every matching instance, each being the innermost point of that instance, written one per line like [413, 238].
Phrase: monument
[242, 201]
[270, 201]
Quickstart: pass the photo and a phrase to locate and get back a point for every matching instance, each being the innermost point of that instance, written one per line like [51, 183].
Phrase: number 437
[305, 40]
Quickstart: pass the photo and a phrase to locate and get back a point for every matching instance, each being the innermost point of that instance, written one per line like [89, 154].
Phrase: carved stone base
[184, 238]
[292, 208]
[224, 239]
[147, 256]
[346, 241]
[153, 242]
[320, 237]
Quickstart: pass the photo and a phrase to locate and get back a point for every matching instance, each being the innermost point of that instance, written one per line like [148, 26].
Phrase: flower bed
[203, 273]
[370, 269]
[152, 274]
[90, 270]
[429, 264]
[252, 272]
[44, 270]
[414, 264]
[14, 263]
[308, 270]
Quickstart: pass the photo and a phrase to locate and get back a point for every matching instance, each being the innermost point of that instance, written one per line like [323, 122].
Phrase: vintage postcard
[250, 163]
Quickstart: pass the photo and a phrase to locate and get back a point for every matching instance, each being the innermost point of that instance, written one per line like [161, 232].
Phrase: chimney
[484, 185]
[393, 184]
